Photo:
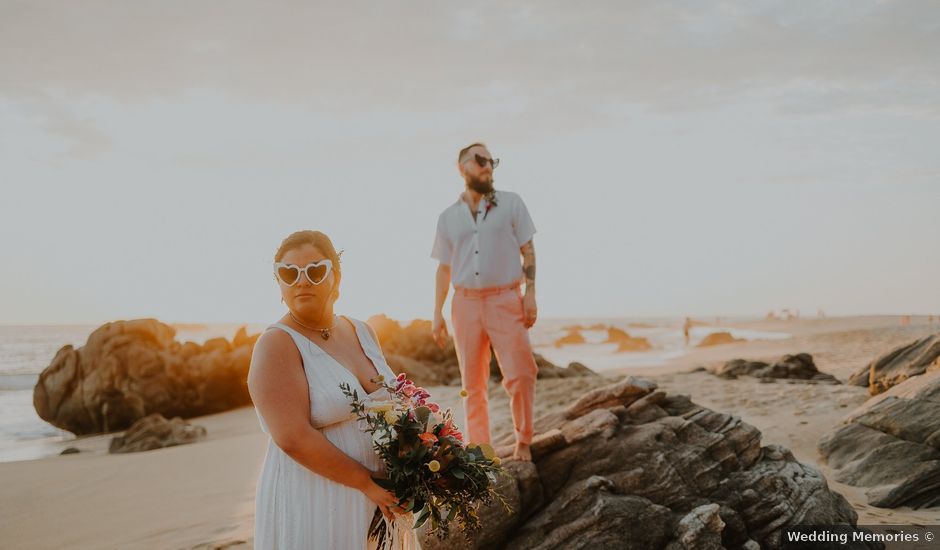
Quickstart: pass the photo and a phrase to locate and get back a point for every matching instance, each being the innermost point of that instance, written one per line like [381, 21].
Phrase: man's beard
[481, 185]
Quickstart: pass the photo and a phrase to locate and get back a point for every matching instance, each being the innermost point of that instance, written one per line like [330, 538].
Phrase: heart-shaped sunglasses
[316, 272]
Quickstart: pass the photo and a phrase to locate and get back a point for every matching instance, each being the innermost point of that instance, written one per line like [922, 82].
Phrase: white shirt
[484, 252]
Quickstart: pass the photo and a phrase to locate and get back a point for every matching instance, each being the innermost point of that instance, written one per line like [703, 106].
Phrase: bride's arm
[278, 388]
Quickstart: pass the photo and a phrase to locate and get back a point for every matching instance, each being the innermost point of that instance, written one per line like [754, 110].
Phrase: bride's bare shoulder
[274, 348]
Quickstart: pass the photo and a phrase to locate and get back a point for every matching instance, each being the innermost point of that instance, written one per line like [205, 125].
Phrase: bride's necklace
[325, 333]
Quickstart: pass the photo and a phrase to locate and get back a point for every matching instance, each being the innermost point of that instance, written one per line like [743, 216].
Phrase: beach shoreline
[202, 495]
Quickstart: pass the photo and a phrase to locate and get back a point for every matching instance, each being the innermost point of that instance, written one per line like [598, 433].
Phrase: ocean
[26, 350]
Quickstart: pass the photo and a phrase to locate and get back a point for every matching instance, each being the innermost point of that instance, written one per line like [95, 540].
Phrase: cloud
[534, 69]
[432, 56]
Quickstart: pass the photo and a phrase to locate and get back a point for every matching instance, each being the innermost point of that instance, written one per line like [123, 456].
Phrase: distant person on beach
[686, 330]
[484, 247]
[315, 489]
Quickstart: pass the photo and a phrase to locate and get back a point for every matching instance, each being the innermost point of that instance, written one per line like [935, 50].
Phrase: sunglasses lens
[483, 161]
[288, 274]
[316, 274]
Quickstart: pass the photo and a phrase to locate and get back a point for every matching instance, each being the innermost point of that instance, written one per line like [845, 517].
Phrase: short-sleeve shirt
[484, 252]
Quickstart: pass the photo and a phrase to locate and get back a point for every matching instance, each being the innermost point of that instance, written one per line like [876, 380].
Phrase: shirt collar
[461, 201]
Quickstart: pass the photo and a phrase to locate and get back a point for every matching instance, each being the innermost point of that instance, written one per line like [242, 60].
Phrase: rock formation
[799, 367]
[627, 466]
[572, 337]
[625, 342]
[718, 338]
[130, 369]
[891, 444]
[898, 365]
[155, 432]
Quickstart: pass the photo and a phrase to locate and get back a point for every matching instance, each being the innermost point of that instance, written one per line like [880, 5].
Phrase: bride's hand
[384, 499]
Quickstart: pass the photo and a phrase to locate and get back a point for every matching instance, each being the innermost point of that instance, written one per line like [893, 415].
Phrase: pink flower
[408, 390]
[434, 407]
[448, 429]
[401, 377]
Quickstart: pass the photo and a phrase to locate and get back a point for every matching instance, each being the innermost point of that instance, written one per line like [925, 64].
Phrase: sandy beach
[202, 495]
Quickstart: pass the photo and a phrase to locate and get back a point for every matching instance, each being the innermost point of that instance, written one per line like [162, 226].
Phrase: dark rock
[700, 529]
[891, 444]
[799, 367]
[548, 370]
[612, 473]
[623, 393]
[130, 369]
[898, 365]
[70, 451]
[739, 367]
[156, 432]
[579, 369]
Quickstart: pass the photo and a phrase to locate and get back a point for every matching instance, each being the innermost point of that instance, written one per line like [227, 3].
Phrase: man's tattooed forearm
[528, 264]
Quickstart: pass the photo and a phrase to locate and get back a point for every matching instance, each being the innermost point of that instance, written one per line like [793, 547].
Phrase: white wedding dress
[297, 509]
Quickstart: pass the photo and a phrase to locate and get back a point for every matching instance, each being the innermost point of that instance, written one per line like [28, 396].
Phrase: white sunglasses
[316, 272]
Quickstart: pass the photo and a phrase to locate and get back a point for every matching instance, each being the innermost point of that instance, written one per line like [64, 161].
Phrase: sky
[703, 158]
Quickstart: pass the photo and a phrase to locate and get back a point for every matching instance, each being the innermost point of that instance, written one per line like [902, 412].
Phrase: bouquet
[434, 474]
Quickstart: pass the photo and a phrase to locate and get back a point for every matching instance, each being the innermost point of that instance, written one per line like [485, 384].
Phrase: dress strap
[283, 327]
[372, 348]
[300, 341]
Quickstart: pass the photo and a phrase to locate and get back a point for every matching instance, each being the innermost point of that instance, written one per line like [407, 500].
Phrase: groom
[484, 245]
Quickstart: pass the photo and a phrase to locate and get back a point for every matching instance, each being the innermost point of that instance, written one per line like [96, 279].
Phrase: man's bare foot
[522, 452]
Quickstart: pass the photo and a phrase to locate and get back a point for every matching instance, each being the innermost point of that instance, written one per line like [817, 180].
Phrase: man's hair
[463, 152]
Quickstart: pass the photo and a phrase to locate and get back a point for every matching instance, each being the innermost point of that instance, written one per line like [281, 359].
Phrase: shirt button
[476, 251]
[478, 272]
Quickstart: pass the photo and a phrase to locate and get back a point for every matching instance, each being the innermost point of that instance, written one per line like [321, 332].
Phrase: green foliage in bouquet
[434, 474]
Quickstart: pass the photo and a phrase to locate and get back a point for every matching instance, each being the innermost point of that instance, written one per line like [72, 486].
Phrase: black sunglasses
[482, 161]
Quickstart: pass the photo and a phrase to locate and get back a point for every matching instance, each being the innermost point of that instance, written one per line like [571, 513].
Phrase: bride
[316, 488]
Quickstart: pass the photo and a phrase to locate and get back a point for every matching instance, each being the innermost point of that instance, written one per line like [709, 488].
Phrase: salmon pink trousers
[481, 317]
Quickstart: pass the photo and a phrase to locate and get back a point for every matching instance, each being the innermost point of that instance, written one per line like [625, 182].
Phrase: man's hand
[439, 330]
[530, 309]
